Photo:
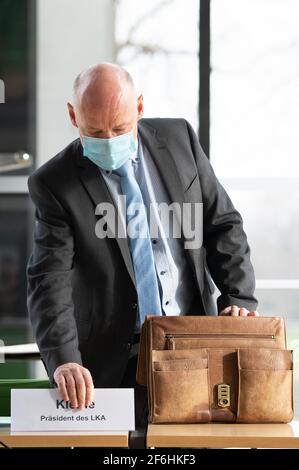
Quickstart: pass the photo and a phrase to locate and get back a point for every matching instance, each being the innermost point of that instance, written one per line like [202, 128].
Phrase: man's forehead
[116, 124]
[103, 95]
[97, 104]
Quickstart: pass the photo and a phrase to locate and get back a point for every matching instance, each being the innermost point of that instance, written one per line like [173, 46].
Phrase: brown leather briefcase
[201, 369]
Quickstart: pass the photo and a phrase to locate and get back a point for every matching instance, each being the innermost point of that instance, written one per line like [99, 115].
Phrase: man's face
[107, 118]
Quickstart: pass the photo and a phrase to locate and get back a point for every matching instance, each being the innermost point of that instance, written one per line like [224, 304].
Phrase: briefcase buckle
[223, 395]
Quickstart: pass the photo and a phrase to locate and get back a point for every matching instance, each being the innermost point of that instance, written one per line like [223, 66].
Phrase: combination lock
[223, 395]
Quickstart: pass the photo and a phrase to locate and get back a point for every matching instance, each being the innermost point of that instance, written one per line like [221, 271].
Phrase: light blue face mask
[111, 153]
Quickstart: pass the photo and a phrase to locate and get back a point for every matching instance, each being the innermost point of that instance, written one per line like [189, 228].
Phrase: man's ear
[140, 107]
[72, 115]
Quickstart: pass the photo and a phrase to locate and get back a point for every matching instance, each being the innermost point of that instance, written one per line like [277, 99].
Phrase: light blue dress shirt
[176, 282]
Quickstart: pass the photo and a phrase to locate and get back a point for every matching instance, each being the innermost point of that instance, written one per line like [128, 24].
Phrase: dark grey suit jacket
[82, 298]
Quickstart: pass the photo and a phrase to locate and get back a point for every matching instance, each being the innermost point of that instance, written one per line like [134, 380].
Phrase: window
[17, 69]
[254, 112]
[157, 42]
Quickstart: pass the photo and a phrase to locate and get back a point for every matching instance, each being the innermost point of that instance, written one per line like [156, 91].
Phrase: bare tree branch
[156, 9]
[149, 49]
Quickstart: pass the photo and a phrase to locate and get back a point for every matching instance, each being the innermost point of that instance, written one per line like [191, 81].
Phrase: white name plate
[43, 410]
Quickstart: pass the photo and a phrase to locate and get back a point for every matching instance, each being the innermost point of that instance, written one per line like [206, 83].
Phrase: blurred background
[230, 67]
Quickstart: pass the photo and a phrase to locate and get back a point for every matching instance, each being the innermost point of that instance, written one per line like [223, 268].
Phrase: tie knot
[125, 169]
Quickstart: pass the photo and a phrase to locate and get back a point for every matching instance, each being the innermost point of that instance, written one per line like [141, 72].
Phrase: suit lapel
[159, 152]
[97, 189]
[176, 180]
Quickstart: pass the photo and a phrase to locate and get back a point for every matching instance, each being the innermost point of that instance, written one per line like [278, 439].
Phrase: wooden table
[216, 435]
[67, 439]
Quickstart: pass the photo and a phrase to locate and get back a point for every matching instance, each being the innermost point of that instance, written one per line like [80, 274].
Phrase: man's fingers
[89, 387]
[226, 311]
[71, 389]
[235, 311]
[62, 388]
[75, 384]
[80, 388]
[244, 312]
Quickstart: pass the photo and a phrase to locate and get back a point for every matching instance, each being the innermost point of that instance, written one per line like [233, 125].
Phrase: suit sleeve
[225, 242]
[49, 274]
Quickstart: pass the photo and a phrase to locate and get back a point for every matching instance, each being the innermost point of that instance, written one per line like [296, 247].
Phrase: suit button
[134, 305]
[129, 345]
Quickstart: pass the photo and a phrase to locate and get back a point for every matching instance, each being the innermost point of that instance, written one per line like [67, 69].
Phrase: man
[88, 294]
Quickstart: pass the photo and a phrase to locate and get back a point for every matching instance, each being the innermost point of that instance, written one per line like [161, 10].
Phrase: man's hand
[74, 384]
[235, 311]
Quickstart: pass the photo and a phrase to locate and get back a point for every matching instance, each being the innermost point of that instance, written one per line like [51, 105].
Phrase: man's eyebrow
[117, 126]
[123, 124]
[94, 128]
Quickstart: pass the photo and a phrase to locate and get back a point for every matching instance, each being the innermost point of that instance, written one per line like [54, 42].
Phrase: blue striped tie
[140, 244]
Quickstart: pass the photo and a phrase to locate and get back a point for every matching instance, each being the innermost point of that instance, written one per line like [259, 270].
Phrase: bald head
[105, 102]
[101, 83]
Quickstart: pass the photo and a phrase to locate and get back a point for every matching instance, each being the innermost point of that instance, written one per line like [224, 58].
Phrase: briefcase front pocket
[265, 386]
[180, 387]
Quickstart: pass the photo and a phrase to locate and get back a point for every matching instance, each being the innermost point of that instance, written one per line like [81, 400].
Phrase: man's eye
[93, 133]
